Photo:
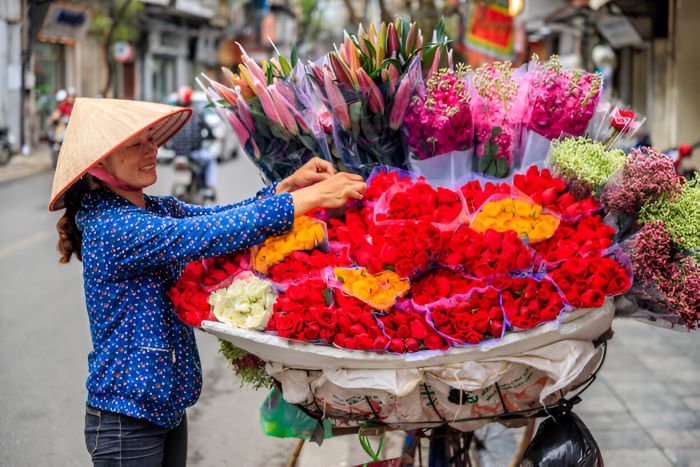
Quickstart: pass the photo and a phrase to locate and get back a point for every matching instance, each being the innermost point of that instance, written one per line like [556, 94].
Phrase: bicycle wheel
[496, 445]
[449, 447]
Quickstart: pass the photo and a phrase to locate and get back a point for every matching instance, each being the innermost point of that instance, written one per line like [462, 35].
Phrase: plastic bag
[281, 419]
[563, 440]
[444, 169]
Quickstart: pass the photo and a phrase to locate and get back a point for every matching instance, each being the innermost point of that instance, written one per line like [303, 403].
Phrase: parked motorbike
[188, 182]
[5, 146]
[679, 154]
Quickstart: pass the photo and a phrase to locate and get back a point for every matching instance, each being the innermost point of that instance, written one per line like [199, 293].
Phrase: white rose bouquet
[246, 303]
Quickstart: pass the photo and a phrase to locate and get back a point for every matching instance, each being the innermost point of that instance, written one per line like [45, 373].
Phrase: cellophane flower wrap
[667, 279]
[613, 125]
[266, 116]
[391, 280]
[438, 130]
[585, 164]
[417, 201]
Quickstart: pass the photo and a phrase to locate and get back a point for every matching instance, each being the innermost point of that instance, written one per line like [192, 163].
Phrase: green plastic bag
[281, 419]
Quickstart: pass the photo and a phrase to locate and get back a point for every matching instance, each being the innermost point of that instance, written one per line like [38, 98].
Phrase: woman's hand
[333, 192]
[314, 171]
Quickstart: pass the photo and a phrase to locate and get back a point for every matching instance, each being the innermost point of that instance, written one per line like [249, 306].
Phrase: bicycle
[495, 444]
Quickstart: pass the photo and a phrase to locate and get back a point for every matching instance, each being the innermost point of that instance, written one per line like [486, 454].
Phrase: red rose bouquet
[382, 179]
[485, 254]
[528, 302]
[405, 247]
[302, 264]
[190, 295]
[552, 193]
[301, 313]
[408, 331]
[357, 328]
[419, 201]
[441, 283]
[310, 311]
[586, 281]
[475, 195]
[588, 235]
[471, 319]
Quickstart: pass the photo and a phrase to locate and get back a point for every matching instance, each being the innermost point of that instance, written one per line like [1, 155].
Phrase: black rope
[500, 396]
[374, 412]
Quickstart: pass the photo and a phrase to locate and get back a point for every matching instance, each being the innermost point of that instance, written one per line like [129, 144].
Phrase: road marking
[22, 244]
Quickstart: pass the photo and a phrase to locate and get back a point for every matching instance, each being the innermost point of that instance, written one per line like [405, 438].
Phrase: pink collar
[106, 177]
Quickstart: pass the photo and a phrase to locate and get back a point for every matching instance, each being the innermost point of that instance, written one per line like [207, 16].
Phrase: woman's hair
[70, 238]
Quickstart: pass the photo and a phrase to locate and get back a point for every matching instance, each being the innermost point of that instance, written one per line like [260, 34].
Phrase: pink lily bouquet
[278, 133]
[367, 83]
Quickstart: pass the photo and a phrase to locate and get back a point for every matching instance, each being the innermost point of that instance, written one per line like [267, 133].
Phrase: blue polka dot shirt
[145, 362]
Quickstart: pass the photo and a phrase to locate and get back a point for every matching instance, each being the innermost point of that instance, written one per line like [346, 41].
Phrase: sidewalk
[38, 160]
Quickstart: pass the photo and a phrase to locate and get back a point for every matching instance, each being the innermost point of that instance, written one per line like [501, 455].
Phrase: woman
[144, 370]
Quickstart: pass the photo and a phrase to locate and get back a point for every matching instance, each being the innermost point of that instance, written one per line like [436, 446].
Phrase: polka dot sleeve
[177, 208]
[139, 239]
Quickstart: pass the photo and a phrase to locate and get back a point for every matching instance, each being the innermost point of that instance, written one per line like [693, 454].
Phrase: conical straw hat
[97, 127]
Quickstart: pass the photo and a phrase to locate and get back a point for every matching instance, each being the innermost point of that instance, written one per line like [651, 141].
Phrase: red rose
[496, 328]
[473, 337]
[312, 331]
[397, 345]
[339, 340]
[403, 331]
[412, 345]
[418, 330]
[591, 298]
[435, 342]
[621, 119]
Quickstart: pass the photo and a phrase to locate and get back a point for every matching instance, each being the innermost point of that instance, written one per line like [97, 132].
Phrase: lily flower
[403, 94]
[410, 38]
[245, 116]
[238, 127]
[337, 101]
[376, 101]
[266, 102]
[253, 67]
[340, 70]
[392, 40]
[282, 107]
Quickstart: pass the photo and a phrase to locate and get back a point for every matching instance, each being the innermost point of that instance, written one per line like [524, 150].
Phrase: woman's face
[135, 162]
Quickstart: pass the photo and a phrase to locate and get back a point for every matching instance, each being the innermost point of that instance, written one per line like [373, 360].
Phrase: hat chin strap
[102, 174]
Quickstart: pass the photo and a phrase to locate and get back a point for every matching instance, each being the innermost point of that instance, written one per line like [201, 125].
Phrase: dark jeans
[118, 440]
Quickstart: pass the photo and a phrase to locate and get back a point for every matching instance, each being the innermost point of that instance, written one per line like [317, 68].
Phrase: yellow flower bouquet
[519, 215]
[307, 234]
[380, 291]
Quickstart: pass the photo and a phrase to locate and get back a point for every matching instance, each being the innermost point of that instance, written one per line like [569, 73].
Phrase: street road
[643, 410]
